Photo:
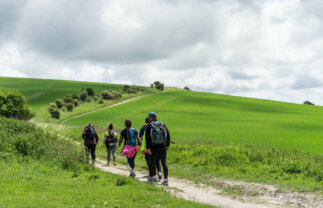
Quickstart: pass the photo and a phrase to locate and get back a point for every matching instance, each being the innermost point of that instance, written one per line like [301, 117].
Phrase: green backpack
[158, 133]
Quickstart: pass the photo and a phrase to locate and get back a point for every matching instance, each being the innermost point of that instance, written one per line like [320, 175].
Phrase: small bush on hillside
[14, 105]
[90, 91]
[68, 100]
[54, 112]
[83, 95]
[76, 97]
[116, 94]
[131, 91]
[186, 88]
[52, 105]
[107, 95]
[101, 101]
[75, 102]
[159, 86]
[308, 103]
[152, 86]
[59, 103]
[125, 88]
[70, 107]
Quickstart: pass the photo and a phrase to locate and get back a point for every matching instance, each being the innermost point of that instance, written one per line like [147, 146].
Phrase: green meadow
[222, 119]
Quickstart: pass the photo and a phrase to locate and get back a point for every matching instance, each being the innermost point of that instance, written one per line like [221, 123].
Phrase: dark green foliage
[131, 91]
[59, 103]
[54, 112]
[75, 102]
[107, 95]
[83, 95]
[90, 91]
[186, 88]
[14, 105]
[76, 97]
[116, 94]
[159, 85]
[308, 103]
[69, 107]
[125, 88]
[101, 101]
[122, 181]
[18, 138]
[152, 86]
[68, 99]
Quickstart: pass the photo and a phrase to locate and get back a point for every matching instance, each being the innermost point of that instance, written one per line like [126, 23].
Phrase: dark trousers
[158, 152]
[111, 149]
[91, 148]
[147, 157]
[131, 162]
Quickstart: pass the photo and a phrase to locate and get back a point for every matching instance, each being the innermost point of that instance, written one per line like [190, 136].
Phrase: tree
[75, 102]
[159, 85]
[90, 91]
[14, 105]
[186, 88]
[54, 112]
[107, 95]
[76, 97]
[151, 85]
[59, 103]
[308, 103]
[68, 99]
[83, 95]
[70, 107]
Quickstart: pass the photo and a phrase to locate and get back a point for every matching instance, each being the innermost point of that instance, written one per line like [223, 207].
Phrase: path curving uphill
[110, 106]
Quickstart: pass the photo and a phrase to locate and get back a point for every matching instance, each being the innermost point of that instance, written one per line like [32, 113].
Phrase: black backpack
[110, 140]
[90, 133]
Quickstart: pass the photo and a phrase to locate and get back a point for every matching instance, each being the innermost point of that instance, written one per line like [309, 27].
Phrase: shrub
[70, 107]
[131, 91]
[75, 102]
[107, 95]
[14, 105]
[76, 97]
[308, 103]
[116, 94]
[125, 88]
[151, 85]
[52, 105]
[186, 88]
[159, 85]
[59, 103]
[90, 91]
[54, 112]
[101, 101]
[68, 100]
[83, 95]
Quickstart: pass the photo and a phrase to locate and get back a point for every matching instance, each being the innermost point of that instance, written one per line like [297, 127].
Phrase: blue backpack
[132, 137]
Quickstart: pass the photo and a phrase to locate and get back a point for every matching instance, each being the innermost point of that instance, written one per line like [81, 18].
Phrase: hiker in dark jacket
[157, 146]
[131, 145]
[90, 140]
[144, 149]
[110, 141]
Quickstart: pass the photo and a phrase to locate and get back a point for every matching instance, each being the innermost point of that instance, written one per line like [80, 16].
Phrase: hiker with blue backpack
[110, 141]
[157, 142]
[144, 149]
[131, 145]
[90, 141]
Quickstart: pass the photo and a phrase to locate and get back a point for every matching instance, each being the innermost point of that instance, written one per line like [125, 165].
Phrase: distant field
[40, 92]
[225, 119]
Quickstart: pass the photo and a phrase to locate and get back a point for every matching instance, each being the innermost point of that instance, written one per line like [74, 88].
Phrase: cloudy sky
[269, 49]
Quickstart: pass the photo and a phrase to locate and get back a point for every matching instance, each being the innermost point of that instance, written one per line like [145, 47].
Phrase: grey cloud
[306, 82]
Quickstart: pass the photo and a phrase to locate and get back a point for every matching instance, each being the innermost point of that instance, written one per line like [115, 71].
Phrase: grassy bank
[40, 170]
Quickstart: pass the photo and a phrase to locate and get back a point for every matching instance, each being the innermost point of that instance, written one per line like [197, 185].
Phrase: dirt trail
[110, 106]
[254, 195]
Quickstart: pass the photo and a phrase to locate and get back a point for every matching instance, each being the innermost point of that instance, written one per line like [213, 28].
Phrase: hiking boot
[132, 174]
[165, 182]
[160, 175]
[154, 179]
[150, 179]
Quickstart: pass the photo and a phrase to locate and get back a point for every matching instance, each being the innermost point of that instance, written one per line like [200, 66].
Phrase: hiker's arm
[84, 134]
[148, 138]
[168, 138]
[120, 140]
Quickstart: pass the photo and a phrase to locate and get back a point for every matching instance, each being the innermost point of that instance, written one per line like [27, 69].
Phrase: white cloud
[266, 49]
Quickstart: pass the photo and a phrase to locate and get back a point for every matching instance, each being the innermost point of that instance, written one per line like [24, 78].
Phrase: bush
[151, 85]
[90, 91]
[75, 102]
[116, 94]
[14, 105]
[101, 101]
[76, 97]
[308, 103]
[125, 88]
[186, 88]
[69, 107]
[83, 95]
[59, 103]
[131, 91]
[107, 95]
[68, 100]
[54, 112]
[159, 85]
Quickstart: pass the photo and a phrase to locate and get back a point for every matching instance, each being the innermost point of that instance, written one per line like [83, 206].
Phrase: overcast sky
[265, 49]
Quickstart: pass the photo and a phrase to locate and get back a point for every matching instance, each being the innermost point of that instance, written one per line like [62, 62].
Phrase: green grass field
[40, 92]
[223, 119]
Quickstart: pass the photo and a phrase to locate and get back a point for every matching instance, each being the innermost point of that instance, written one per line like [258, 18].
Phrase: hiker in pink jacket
[130, 146]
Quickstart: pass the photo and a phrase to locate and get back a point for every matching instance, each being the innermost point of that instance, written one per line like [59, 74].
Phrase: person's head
[147, 120]
[127, 123]
[89, 124]
[110, 126]
[152, 116]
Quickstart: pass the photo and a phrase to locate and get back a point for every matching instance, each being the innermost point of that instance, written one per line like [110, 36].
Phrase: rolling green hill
[223, 119]
[40, 92]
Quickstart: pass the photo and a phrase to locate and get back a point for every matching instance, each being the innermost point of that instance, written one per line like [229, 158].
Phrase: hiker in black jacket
[158, 141]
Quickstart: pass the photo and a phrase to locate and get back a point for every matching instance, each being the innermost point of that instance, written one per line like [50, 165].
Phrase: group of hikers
[153, 141]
